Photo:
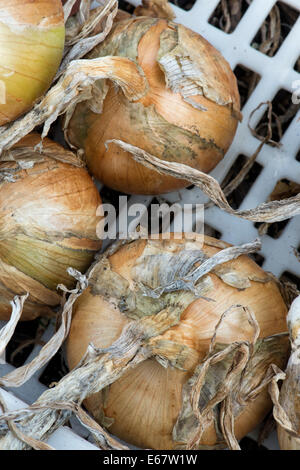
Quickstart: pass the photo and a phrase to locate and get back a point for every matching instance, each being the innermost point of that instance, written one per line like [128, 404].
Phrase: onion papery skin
[169, 120]
[47, 224]
[32, 36]
[144, 404]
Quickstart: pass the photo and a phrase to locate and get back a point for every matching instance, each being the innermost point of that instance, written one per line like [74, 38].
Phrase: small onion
[32, 35]
[147, 406]
[188, 111]
[47, 224]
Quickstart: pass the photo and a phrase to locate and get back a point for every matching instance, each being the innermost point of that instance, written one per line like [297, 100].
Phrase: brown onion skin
[48, 223]
[162, 123]
[146, 400]
[32, 36]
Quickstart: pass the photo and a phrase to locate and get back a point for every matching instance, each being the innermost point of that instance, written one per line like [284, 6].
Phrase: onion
[32, 36]
[47, 224]
[188, 111]
[150, 404]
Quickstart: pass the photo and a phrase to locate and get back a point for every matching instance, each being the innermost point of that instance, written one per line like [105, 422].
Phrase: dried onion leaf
[286, 401]
[85, 40]
[225, 377]
[8, 330]
[266, 212]
[20, 375]
[68, 8]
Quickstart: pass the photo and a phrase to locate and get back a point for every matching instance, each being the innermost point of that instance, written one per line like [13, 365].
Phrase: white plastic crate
[277, 163]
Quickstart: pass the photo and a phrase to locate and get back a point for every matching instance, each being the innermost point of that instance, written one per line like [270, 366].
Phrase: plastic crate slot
[237, 196]
[26, 335]
[212, 232]
[110, 196]
[249, 444]
[283, 189]
[184, 4]
[227, 14]
[275, 28]
[276, 229]
[283, 113]
[247, 82]
[164, 223]
[287, 276]
[55, 370]
[258, 258]
[126, 6]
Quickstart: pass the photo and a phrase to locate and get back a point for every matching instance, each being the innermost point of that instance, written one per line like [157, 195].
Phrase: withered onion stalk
[185, 106]
[47, 224]
[287, 409]
[32, 36]
[197, 373]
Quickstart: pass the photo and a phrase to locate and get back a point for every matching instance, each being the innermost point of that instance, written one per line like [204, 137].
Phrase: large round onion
[47, 224]
[32, 36]
[147, 404]
[188, 113]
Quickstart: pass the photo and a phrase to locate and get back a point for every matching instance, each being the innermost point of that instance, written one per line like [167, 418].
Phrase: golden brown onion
[47, 224]
[32, 36]
[148, 403]
[188, 112]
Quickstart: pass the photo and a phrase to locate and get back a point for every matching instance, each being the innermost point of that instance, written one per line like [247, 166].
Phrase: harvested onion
[47, 224]
[150, 404]
[32, 36]
[188, 111]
